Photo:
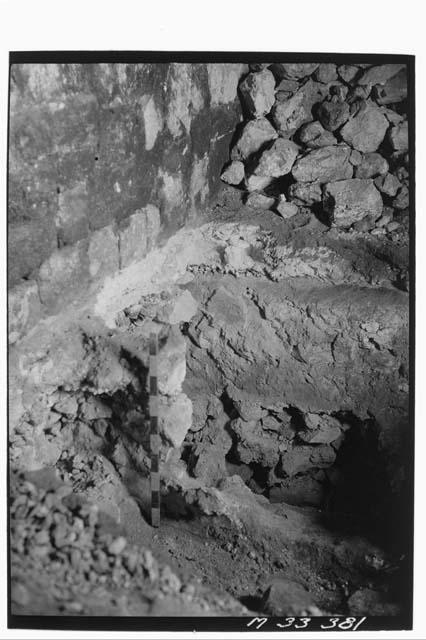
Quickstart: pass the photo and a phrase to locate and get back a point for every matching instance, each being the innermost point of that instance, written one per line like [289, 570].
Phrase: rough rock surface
[314, 135]
[371, 166]
[258, 92]
[398, 137]
[332, 114]
[349, 201]
[394, 90]
[365, 130]
[324, 165]
[278, 160]
[295, 70]
[234, 174]
[254, 135]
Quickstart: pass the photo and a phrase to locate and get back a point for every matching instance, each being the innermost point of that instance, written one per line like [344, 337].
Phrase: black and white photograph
[210, 368]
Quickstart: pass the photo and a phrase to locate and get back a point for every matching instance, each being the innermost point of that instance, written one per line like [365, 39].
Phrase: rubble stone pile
[80, 562]
[327, 138]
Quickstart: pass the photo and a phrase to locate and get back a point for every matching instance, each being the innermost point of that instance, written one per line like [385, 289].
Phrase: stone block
[366, 130]
[349, 201]
[255, 134]
[223, 81]
[24, 309]
[324, 165]
[139, 235]
[63, 276]
[71, 219]
[103, 253]
[29, 243]
[258, 92]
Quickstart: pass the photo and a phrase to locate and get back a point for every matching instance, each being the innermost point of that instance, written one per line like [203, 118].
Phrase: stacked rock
[327, 138]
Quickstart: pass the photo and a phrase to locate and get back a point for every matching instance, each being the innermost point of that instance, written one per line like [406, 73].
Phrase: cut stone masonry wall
[137, 151]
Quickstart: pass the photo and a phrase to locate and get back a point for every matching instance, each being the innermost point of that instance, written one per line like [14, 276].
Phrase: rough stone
[371, 166]
[333, 114]
[322, 456]
[257, 183]
[296, 460]
[326, 72]
[236, 256]
[320, 429]
[67, 405]
[356, 157]
[247, 408]
[388, 184]
[348, 72]
[139, 235]
[223, 81]
[380, 75]
[103, 253]
[287, 86]
[398, 137]
[393, 226]
[29, 244]
[303, 490]
[175, 418]
[243, 470]
[234, 173]
[254, 136]
[289, 115]
[172, 364]
[385, 218]
[72, 217]
[254, 445]
[287, 598]
[394, 91]
[24, 309]
[371, 603]
[314, 136]
[294, 70]
[402, 200]
[152, 120]
[63, 275]
[258, 92]
[366, 130]
[287, 209]
[93, 409]
[323, 165]
[184, 99]
[183, 308]
[259, 201]
[349, 201]
[278, 160]
[211, 463]
[305, 193]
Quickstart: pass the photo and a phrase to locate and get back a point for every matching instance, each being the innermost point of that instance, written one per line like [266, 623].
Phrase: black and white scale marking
[154, 434]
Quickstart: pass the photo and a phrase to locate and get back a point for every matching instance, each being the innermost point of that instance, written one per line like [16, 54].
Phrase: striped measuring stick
[154, 434]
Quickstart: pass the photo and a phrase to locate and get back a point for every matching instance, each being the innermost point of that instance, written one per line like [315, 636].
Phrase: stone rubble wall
[104, 160]
[328, 138]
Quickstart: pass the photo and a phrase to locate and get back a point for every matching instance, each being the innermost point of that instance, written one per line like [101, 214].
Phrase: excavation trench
[279, 459]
